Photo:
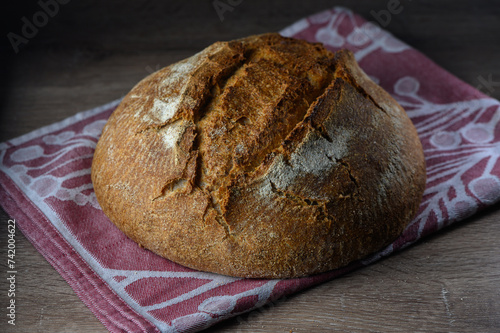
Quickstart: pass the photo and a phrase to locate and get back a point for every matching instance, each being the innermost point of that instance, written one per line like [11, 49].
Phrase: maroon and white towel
[45, 185]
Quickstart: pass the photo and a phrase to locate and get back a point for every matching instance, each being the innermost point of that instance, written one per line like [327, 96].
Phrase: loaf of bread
[263, 157]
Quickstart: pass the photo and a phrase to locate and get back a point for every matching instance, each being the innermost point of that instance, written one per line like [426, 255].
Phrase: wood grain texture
[93, 52]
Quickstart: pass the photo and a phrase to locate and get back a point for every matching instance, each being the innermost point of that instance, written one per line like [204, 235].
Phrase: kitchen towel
[45, 186]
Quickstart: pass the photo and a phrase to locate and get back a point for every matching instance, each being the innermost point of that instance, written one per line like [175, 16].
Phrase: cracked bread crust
[264, 157]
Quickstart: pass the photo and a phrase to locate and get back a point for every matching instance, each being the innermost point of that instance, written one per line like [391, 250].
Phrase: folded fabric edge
[57, 125]
[93, 291]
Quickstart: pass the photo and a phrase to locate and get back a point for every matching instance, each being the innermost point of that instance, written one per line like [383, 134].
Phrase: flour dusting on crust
[171, 90]
[164, 111]
[172, 134]
[314, 157]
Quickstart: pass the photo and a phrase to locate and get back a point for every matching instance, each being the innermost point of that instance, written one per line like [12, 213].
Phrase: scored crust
[265, 157]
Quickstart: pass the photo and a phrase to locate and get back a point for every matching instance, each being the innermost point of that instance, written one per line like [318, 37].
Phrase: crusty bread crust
[263, 157]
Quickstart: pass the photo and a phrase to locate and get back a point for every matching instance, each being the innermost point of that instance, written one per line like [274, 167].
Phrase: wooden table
[92, 52]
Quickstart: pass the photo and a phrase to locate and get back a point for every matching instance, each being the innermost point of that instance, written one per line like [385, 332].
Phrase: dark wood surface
[92, 52]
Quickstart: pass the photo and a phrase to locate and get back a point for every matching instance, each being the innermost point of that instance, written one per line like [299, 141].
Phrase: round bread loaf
[264, 157]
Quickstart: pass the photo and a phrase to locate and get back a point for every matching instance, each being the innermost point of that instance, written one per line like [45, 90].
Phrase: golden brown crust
[261, 157]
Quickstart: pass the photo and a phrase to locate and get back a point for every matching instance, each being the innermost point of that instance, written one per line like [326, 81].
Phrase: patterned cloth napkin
[45, 186]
